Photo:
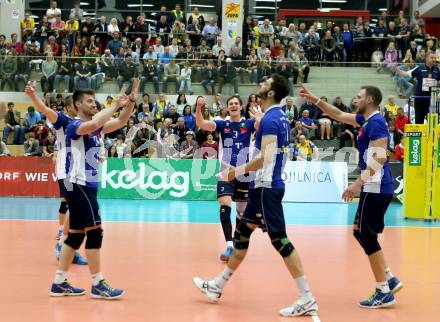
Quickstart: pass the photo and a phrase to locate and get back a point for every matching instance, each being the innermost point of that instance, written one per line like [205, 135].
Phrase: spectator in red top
[210, 148]
[41, 131]
[400, 151]
[399, 123]
[277, 51]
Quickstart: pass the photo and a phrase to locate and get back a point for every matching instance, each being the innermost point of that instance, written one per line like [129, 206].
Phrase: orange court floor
[153, 249]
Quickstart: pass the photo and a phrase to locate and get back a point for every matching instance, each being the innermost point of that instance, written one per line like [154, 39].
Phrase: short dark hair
[10, 104]
[374, 92]
[232, 97]
[31, 109]
[79, 94]
[280, 86]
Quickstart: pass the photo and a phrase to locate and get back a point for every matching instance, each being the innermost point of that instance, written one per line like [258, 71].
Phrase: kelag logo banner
[158, 179]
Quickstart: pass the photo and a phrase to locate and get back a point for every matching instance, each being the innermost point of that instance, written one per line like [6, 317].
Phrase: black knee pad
[74, 240]
[368, 241]
[94, 238]
[225, 213]
[242, 235]
[281, 243]
[63, 207]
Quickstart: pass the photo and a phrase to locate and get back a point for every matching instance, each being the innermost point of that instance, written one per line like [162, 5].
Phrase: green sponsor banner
[415, 148]
[158, 179]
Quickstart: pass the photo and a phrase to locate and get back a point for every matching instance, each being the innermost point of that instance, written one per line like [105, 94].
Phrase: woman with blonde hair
[113, 26]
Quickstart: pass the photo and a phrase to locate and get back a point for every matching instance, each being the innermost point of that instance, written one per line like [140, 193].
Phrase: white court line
[315, 318]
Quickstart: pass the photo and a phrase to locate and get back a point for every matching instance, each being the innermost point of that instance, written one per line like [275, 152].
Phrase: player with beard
[235, 138]
[264, 208]
[375, 185]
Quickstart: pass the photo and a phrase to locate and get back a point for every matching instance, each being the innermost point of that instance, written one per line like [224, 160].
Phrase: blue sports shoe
[224, 257]
[79, 260]
[104, 291]
[395, 284]
[57, 251]
[59, 234]
[65, 289]
[377, 300]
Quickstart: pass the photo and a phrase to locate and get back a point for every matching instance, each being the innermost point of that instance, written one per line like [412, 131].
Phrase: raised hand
[122, 99]
[135, 89]
[305, 92]
[200, 103]
[255, 112]
[30, 89]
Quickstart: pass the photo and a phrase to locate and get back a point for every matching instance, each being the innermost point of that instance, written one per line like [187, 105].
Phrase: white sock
[303, 287]
[60, 277]
[383, 287]
[96, 278]
[221, 280]
[389, 274]
[230, 243]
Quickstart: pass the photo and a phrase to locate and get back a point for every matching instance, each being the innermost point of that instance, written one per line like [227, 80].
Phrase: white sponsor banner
[315, 181]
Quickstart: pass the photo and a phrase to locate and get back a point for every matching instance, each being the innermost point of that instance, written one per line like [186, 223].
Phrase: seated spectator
[167, 140]
[308, 123]
[180, 129]
[325, 123]
[150, 72]
[30, 119]
[348, 133]
[209, 148]
[228, 74]
[302, 64]
[127, 73]
[252, 66]
[391, 106]
[145, 102]
[337, 126]
[41, 131]
[59, 103]
[64, 73]
[218, 47]
[185, 78]
[112, 153]
[264, 71]
[305, 150]
[311, 46]
[399, 122]
[31, 147]
[53, 11]
[297, 130]
[23, 67]
[172, 115]
[189, 118]
[171, 74]
[284, 70]
[82, 78]
[400, 151]
[8, 70]
[4, 152]
[390, 60]
[12, 124]
[189, 147]
[115, 44]
[144, 114]
[162, 104]
[328, 46]
[290, 109]
[180, 103]
[312, 108]
[49, 146]
[122, 150]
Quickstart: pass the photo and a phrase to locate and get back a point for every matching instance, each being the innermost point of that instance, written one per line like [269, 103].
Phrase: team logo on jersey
[243, 129]
[227, 130]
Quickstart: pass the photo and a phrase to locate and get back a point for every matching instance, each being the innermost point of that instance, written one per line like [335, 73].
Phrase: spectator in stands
[399, 151]
[49, 146]
[399, 123]
[171, 74]
[418, 36]
[178, 31]
[417, 20]
[83, 75]
[180, 129]
[163, 28]
[165, 57]
[312, 108]
[23, 68]
[210, 148]
[403, 38]
[41, 131]
[218, 47]
[49, 70]
[302, 65]
[17, 45]
[337, 126]
[102, 29]
[30, 119]
[391, 57]
[113, 26]
[305, 150]
[12, 124]
[27, 27]
[178, 13]
[264, 71]
[228, 74]
[158, 48]
[391, 106]
[210, 33]
[76, 11]
[127, 73]
[290, 109]
[8, 70]
[172, 115]
[311, 45]
[209, 77]
[297, 130]
[167, 140]
[64, 73]
[151, 73]
[188, 148]
[4, 152]
[32, 146]
[196, 15]
[53, 11]
[189, 118]
[348, 133]
[325, 123]
[284, 70]
[115, 44]
[59, 102]
[185, 78]
[266, 32]
[328, 46]
[308, 123]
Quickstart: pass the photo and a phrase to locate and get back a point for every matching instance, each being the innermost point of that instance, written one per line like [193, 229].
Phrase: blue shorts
[239, 191]
[83, 206]
[265, 209]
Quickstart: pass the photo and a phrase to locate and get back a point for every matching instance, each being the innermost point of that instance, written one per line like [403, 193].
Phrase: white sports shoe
[302, 306]
[209, 288]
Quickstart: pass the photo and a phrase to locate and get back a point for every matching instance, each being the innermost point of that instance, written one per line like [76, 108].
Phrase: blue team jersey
[60, 127]
[275, 123]
[235, 140]
[82, 155]
[374, 128]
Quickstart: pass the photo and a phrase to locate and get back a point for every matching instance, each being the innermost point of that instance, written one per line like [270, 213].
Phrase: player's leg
[369, 222]
[213, 288]
[61, 217]
[225, 190]
[77, 259]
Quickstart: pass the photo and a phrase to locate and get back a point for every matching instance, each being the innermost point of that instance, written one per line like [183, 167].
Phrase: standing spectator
[266, 32]
[41, 131]
[101, 28]
[305, 150]
[403, 38]
[49, 70]
[53, 10]
[30, 119]
[31, 147]
[328, 46]
[210, 148]
[113, 26]
[127, 73]
[178, 14]
[185, 78]
[418, 36]
[210, 32]
[189, 147]
[64, 73]
[23, 67]
[171, 74]
[12, 124]
[27, 27]
[8, 70]
[76, 11]
[194, 32]
[196, 15]
[417, 20]
[228, 74]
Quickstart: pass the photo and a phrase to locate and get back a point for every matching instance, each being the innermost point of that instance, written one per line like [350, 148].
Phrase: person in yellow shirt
[305, 150]
[27, 27]
[391, 107]
[256, 31]
[71, 27]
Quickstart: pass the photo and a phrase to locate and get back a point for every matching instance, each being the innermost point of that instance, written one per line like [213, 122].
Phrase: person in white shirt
[113, 26]
[158, 48]
[185, 78]
[53, 11]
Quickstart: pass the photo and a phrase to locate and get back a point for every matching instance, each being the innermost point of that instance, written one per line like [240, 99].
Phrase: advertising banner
[28, 176]
[315, 181]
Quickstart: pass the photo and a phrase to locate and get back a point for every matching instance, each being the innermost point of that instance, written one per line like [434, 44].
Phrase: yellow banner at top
[232, 11]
